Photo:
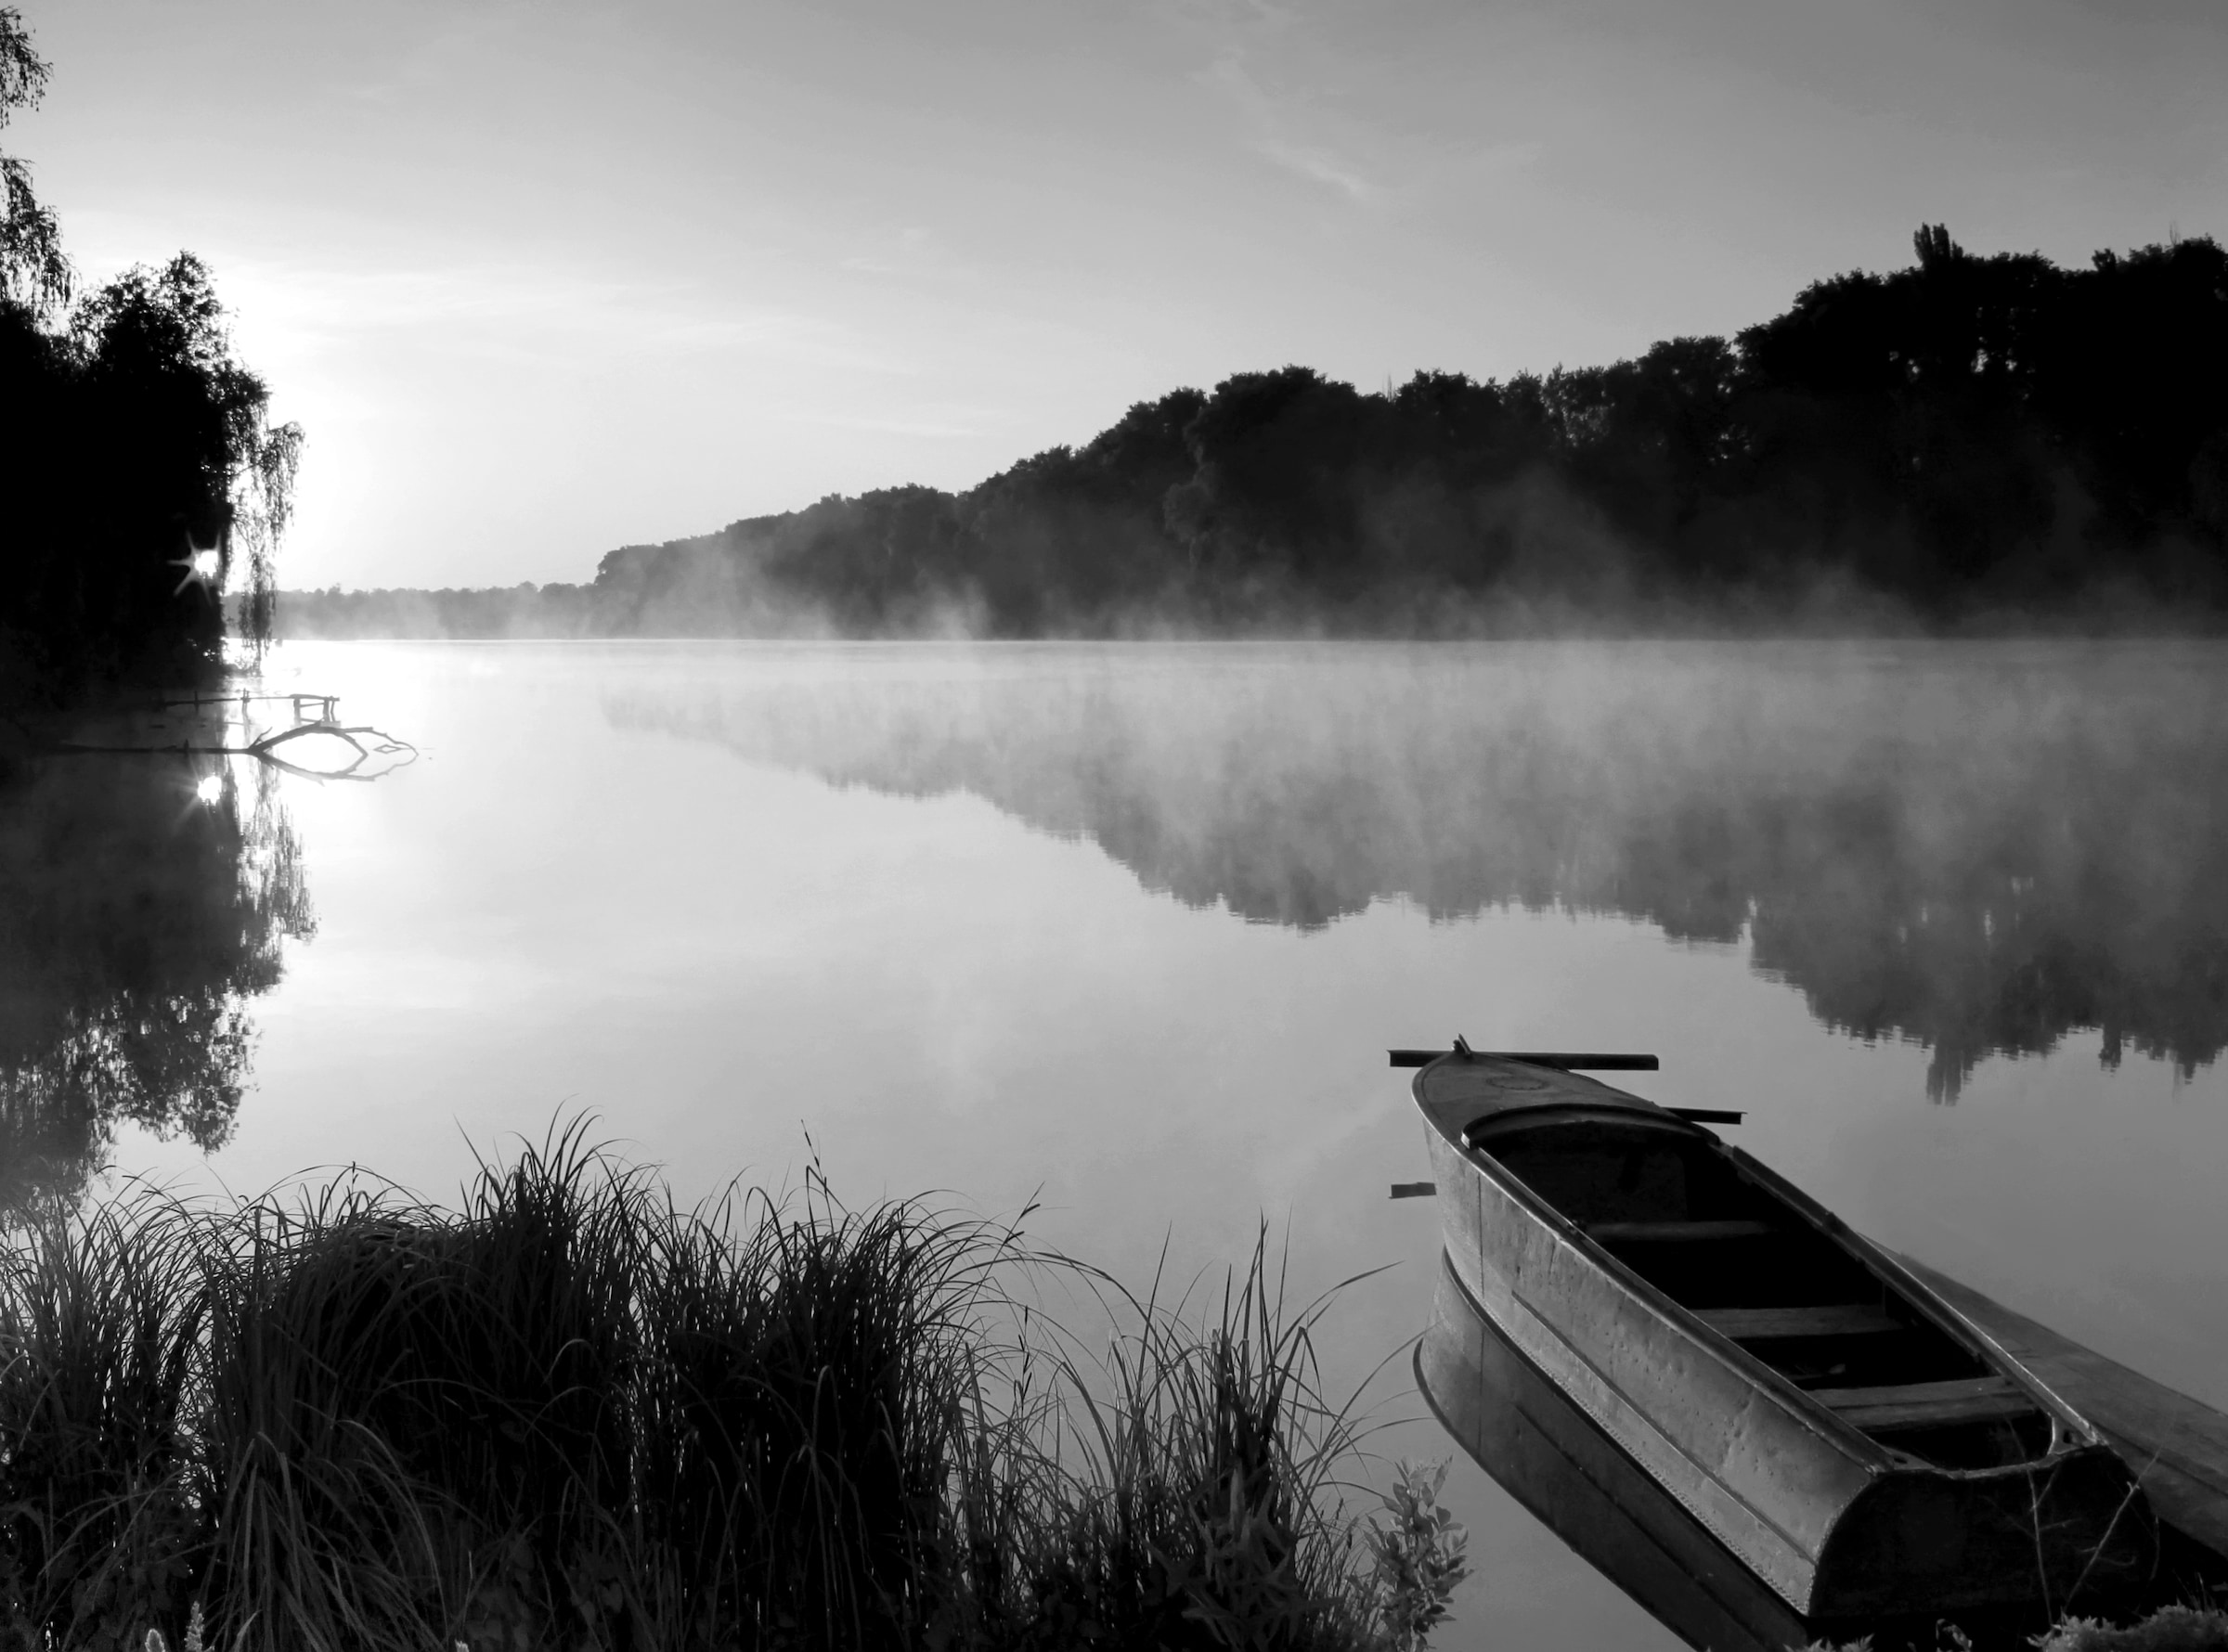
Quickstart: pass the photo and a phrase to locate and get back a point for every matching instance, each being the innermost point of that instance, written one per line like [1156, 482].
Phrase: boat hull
[1831, 1523]
[1579, 1483]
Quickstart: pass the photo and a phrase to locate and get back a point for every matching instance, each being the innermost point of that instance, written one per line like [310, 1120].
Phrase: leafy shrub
[1419, 1558]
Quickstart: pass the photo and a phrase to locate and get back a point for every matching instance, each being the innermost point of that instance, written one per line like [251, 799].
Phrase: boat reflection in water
[1764, 1427]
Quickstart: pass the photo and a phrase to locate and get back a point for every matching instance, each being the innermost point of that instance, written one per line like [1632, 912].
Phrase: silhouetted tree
[141, 462]
[1961, 433]
[33, 272]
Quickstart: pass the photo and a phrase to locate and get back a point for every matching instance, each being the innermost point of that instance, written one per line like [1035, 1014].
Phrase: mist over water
[1124, 931]
[1979, 848]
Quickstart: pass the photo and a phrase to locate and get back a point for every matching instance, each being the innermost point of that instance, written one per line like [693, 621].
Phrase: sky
[542, 279]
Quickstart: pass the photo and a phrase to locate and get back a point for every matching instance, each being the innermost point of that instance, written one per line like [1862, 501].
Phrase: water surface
[1125, 931]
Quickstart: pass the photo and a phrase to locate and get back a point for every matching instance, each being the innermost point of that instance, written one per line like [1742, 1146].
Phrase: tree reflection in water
[143, 899]
[1979, 848]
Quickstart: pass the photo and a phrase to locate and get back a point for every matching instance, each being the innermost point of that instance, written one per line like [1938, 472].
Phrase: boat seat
[1927, 1405]
[1765, 1324]
[1655, 1232]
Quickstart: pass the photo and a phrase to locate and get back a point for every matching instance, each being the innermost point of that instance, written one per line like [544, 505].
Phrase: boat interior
[1672, 1205]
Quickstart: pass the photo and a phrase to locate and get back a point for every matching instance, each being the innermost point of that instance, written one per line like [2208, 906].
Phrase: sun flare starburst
[203, 567]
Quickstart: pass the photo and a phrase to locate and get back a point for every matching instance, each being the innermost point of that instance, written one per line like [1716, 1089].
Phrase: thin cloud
[453, 44]
[911, 249]
[1273, 139]
[1318, 167]
[1309, 108]
[1504, 157]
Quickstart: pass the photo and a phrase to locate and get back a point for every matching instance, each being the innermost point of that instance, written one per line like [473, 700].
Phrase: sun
[201, 567]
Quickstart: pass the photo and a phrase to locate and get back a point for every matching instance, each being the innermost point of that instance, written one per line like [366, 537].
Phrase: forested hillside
[1968, 436]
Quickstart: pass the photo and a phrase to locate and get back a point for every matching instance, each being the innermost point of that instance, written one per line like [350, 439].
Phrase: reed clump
[568, 1415]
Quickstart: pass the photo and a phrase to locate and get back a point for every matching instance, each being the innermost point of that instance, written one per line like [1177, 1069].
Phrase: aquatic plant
[566, 1412]
[100, 1316]
[314, 1532]
[1187, 1481]
[1419, 1555]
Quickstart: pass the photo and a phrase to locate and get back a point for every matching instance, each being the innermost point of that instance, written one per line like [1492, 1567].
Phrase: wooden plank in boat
[1654, 1232]
[1927, 1405]
[1763, 1325]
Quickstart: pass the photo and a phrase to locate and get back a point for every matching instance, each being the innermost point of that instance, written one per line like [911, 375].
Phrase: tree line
[141, 466]
[1963, 437]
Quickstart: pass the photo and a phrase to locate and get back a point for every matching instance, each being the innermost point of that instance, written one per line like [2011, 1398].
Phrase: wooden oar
[1570, 1062]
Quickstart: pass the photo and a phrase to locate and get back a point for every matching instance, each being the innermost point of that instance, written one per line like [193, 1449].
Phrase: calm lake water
[1126, 931]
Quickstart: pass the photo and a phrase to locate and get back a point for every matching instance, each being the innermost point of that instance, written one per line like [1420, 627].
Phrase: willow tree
[33, 270]
[143, 466]
[189, 476]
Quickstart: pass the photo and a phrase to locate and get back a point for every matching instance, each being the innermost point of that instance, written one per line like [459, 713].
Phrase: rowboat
[1856, 1445]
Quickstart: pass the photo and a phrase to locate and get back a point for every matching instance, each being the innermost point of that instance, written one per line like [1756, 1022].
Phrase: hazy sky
[542, 279]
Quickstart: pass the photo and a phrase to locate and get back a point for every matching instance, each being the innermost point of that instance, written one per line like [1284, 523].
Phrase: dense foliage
[1968, 435]
[140, 461]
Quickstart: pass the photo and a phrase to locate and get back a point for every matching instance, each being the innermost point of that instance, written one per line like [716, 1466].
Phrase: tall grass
[567, 1413]
[99, 1331]
[1186, 1482]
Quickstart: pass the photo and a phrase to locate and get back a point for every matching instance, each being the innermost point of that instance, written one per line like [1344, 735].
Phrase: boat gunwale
[2070, 1431]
